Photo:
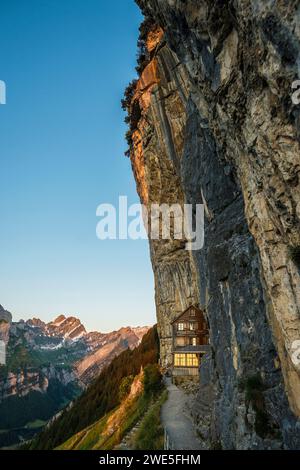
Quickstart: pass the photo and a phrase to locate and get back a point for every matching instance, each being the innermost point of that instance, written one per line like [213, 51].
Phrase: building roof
[198, 310]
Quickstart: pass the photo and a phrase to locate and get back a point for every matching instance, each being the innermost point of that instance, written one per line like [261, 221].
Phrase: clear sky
[65, 64]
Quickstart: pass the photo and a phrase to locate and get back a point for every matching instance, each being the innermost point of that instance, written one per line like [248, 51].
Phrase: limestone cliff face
[217, 126]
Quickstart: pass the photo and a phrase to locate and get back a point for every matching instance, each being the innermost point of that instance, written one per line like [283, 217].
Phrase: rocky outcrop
[217, 126]
[5, 322]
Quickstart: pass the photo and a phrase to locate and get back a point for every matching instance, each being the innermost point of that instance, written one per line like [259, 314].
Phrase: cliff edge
[212, 121]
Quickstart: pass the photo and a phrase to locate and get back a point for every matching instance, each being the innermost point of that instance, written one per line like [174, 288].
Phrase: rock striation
[212, 121]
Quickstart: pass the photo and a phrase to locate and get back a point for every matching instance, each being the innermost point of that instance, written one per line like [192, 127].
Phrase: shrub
[125, 386]
[143, 58]
[146, 26]
[152, 379]
[133, 114]
[128, 95]
[216, 445]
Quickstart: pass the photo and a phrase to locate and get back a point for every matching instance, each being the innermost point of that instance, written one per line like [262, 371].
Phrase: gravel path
[176, 420]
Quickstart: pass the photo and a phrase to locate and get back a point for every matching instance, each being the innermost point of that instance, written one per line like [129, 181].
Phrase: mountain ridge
[49, 364]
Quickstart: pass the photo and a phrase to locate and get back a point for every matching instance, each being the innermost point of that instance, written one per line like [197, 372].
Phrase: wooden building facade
[190, 341]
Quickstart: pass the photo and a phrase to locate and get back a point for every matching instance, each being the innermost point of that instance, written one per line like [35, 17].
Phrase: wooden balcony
[198, 348]
[188, 332]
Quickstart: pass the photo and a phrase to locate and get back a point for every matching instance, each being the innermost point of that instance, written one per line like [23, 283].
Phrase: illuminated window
[180, 326]
[179, 359]
[192, 360]
[192, 326]
[186, 360]
[194, 341]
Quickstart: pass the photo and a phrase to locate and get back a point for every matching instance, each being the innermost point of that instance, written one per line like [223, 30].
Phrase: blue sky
[65, 64]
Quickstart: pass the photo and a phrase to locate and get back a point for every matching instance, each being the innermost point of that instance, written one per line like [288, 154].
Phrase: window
[192, 326]
[179, 360]
[180, 326]
[186, 360]
[193, 313]
[194, 341]
[192, 360]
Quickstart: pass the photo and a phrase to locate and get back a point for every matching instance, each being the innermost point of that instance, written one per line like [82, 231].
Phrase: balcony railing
[187, 332]
[199, 348]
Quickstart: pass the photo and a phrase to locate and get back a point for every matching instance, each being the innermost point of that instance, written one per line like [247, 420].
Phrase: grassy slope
[150, 435]
[108, 432]
[100, 435]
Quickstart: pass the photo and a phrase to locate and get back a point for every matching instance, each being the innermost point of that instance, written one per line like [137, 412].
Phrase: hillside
[102, 396]
[47, 366]
[135, 422]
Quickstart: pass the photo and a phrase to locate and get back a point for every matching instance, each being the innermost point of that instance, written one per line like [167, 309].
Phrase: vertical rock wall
[217, 126]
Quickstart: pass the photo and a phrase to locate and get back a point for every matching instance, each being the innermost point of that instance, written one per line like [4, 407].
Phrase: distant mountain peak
[68, 327]
[59, 319]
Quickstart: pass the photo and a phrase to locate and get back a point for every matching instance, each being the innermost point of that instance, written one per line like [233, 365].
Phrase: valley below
[47, 366]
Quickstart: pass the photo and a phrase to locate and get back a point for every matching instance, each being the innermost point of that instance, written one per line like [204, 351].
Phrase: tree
[152, 379]
[125, 386]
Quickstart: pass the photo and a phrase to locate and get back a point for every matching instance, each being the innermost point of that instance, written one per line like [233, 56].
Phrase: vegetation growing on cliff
[143, 55]
[133, 115]
[100, 397]
[131, 107]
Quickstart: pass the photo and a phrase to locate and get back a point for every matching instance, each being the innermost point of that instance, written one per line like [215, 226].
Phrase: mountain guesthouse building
[190, 342]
